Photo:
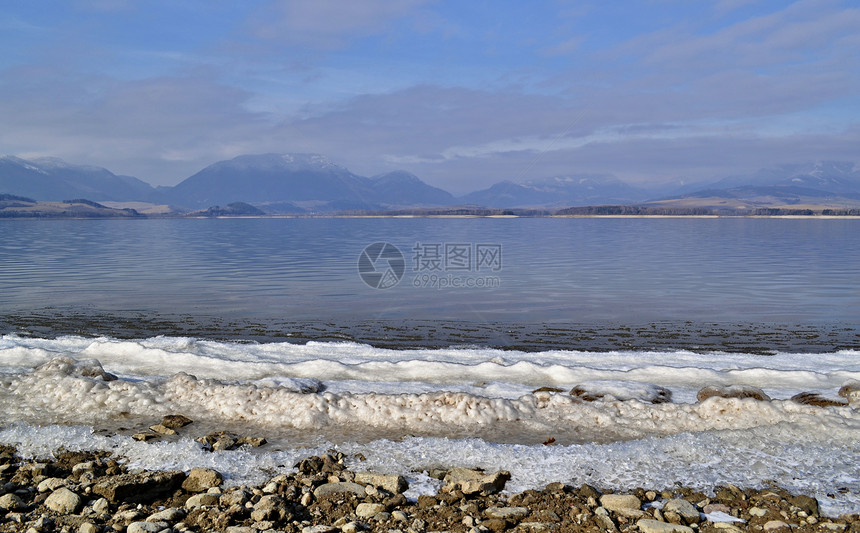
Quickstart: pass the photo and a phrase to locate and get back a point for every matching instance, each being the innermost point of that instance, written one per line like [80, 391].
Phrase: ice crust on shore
[800, 461]
[367, 400]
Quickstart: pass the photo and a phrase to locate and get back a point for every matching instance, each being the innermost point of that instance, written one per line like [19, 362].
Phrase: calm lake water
[510, 270]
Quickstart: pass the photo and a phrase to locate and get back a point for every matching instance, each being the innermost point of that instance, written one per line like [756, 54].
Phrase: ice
[408, 411]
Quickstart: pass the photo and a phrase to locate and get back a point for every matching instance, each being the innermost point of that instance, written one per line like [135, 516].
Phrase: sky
[461, 93]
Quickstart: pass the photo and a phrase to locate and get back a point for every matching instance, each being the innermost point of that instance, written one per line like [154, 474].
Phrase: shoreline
[404, 333]
[92, 492]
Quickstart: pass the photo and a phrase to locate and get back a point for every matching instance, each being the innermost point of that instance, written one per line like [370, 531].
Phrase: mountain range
[311, 183]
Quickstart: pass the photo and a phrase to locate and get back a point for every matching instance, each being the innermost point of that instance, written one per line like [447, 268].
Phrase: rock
[350, 527]
[146, 527]
[144, 437]
[727, 528]
[162, 430]
[475, 482]
[331, 488]
[202, 479]
[592, 391]
[757, 511]
[101, 506]
[817, 400]
[88, 527]
[716, 508]
[170, 515]
[617, 502]
[51, 484]
[319, 529]
[270, 507]
[850, 391]
[394, 484]
[139, 488]
[547, 389]
[399, 516]
[646, 525]
[806, 503]
[732, 391]
[684, 508]
[368, 510]
[536, 526]
[774, 525]
[254, 442]
[200, 500]
[507, 513]
[64, 501]
[240, 529]
[11, 502]
[175, 421]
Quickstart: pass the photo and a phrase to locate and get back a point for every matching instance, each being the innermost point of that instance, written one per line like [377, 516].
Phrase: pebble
[774, 525]
[64, 501]
[146, 527]
[201, 480]
[200, 500]
[647, 525]
[506, 512]
[615, 502]
[367, 510]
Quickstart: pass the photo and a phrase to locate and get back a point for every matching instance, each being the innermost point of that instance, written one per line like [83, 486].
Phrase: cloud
[326, 24]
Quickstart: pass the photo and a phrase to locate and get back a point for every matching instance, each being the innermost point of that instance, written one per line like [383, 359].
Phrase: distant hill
[556, 192]
[309, 182]
[230, 210]
[403, 189]
[52, 179]
[17, 207]
[815, 186]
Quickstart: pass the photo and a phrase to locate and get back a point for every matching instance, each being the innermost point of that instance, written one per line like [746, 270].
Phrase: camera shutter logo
[381, 265]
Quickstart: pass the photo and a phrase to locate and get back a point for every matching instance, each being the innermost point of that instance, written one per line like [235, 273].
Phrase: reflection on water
[579, 270]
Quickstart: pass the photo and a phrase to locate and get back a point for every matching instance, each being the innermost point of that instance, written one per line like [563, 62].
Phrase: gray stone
[162, 430]
[616, 502]
[64, 501]
[331, 488]
[732, 391]
[138, 488]
[170, 515]
[88, 527]
[757, 511]
[11, 502]
[199, 500]
[202, 479]
[367, 510]
[240, 529]
[774, 525]
[507, 513]
[684, 508]
[270, 507]
[727, 527]
[475, 482]
[395, 484]
[146, 527]
[646, 525]
[101, 506]
[350, 527]
[536, 526]
[51, 484]
[319, 529]
[175, 421]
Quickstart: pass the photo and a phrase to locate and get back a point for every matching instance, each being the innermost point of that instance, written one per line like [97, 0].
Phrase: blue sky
[463, 94]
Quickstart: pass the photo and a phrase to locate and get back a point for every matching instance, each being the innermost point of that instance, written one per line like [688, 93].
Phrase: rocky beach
[92, 492]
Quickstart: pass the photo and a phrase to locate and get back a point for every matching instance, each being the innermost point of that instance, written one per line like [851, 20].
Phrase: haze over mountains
[302, 183]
